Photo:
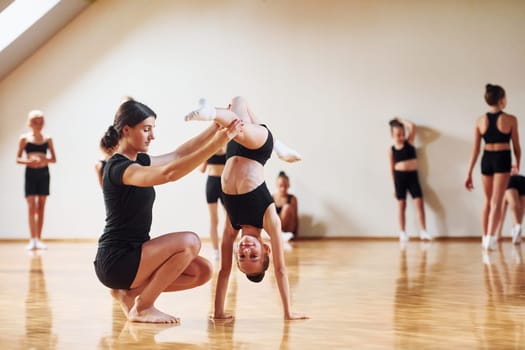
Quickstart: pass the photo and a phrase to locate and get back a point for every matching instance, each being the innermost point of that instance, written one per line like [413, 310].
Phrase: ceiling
[41, 30]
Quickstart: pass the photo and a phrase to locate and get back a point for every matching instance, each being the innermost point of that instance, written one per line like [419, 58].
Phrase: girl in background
[403, 164]
[39, 152]
[286, 206]
[497, 129]
[215, 166]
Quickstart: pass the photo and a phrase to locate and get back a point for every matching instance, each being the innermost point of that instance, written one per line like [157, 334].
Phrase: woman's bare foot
[150, 315]
[125, 298]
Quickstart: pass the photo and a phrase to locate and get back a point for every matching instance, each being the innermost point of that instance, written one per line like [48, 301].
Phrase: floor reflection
[504, 286]
[409, 301]
[39, 318]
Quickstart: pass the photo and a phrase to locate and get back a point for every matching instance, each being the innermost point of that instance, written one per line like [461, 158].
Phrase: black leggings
[407, 181]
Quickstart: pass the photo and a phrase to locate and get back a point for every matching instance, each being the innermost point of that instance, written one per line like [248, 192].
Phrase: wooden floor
[359, 294]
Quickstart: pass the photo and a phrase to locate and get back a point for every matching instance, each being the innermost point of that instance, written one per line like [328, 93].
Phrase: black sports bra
[492, 134]
[261, 154]
[36, 147]
[406, 153]
[217, 159]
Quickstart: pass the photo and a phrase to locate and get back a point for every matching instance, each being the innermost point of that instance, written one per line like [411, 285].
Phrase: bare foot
[150, 315]
[125, 298]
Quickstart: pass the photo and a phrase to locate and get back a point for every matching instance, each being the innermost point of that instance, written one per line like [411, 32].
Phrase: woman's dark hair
[259, 276]
[493, 94]
[129, 113]
[394, 123]
[283, 175]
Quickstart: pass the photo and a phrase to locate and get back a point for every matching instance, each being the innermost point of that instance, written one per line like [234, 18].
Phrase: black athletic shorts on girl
[517, 182]
[37, 181]
[407, 181]
[496, 162]
[247, 208]
[213, 189]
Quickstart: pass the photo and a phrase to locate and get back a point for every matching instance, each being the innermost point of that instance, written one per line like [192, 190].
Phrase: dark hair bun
[493, 94]
[282, 173]
[256, 278]
[110, 138]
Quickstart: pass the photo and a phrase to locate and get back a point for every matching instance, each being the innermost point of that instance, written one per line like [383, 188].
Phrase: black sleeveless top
[217, 159]
[406, 153]
[261, 154]
[493, 135]
[36, 147]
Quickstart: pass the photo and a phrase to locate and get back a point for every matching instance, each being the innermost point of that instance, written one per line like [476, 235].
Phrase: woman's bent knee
[193, 242]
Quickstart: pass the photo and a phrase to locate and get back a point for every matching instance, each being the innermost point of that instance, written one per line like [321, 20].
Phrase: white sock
[285, 153]
[204, 112]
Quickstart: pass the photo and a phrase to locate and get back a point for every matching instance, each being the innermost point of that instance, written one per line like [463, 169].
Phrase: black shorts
[117, 266]
[496, 162]
[407, 181]
[213, 189]
[37, 181]
[247, 208]
[517, 182]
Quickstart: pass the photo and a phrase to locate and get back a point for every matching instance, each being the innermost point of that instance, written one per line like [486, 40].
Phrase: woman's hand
[224, 135]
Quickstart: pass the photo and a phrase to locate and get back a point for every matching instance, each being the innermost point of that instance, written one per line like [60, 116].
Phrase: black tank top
[261, 154]
[218, 159]
[36, 147]
[492, 134]
[406, 153]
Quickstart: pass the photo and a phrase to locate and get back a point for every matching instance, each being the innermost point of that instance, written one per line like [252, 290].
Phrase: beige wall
[325, 75]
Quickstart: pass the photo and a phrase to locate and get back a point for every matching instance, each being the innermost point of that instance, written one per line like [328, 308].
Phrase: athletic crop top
[261, 154]
[492, 134]
[217, 159]
[406, 153]
[36, 147]
[128, 208]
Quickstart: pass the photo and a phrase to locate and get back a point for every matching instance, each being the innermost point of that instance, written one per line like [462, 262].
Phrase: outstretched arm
[137, 175]
[187, 147]
[221, 288]
[272, 225]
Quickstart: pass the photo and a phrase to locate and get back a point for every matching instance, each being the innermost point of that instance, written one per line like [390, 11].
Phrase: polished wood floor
[359, 294]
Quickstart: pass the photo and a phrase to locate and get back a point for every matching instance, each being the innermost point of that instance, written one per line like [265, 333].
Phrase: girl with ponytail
[498, 129]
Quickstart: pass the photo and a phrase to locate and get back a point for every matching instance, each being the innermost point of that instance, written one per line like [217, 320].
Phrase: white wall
[325, 75]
